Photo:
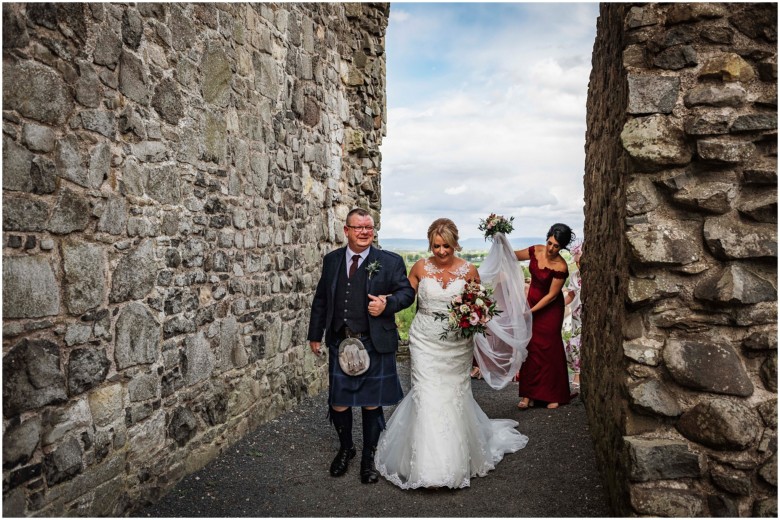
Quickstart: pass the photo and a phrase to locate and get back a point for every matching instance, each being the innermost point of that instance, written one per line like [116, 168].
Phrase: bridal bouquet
[495, 224]
[469, 311]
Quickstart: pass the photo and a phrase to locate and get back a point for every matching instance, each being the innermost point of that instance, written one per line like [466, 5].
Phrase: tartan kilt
[378, 386]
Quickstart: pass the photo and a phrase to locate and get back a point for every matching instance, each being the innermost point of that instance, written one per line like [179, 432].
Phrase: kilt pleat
[378, 386]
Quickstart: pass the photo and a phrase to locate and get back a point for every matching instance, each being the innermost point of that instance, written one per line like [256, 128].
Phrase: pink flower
[474, 318]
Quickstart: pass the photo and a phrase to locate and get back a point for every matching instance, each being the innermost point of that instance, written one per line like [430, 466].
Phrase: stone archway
[680, 265]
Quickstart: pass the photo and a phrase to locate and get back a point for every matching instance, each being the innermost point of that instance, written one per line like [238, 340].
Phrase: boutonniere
[373, 268]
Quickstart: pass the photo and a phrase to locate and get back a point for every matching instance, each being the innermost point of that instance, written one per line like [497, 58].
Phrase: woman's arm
[523, 254]
[555, 289]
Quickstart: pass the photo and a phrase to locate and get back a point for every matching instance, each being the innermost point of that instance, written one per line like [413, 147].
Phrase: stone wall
[172, 175]
[680, 271]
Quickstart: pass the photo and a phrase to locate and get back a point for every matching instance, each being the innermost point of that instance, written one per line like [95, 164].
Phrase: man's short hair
[360, 212]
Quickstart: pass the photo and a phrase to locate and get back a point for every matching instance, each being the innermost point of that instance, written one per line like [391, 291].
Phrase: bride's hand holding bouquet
[470, 311]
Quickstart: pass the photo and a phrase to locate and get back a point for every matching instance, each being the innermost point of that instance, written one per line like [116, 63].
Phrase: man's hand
[315, 347]
[377, 304]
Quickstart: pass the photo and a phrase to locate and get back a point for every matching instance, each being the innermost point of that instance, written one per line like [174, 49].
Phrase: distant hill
[468, 244]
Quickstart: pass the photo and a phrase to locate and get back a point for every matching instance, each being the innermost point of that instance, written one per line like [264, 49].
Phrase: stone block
[710, 197]
[676, 58]
[217, 75]
[727, 67]
[266, 75]
[730, 238]
[724, 151]
[133, 78]
[765, 508]
[707, 124]
[43, 173]
[768, 373]
[87, 368]
[77, 334]
[164, 184]
[644, 350]
[37, 92]
[731, 480]
[648, 94]
[146, 439]
[71, 213]
[679, 13]
[707, 365]
[24, 214]
[30, 289]
[70, 160]
[761, 207]
[135, 274]
[729, 95]
[722, 506]
[653, 396]
[762, 173]
[20, 441]
[199, 359]
[655, 141]
[182, 425]
[85, 275]
[37, 138]
[661, 459]
[667, 502]
[754, 122]
[132, 28]
[662, 246]
[721, 424]
[113, 220]
[757, 21]
[762, 338]
[150, 151]
[108, 48]
[768, 471]
[167, 100]
[70, 420]
[64, 463]
[106, 404]
[17, 163]
[99, 121]
[137, 336]
[143, 387]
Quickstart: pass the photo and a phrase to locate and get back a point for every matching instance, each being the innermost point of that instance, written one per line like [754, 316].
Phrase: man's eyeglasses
[362, 228]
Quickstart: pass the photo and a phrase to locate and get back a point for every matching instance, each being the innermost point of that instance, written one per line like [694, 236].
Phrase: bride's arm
[415, 273]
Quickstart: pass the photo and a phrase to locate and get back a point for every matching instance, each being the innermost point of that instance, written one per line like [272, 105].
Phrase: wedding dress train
[438, 435]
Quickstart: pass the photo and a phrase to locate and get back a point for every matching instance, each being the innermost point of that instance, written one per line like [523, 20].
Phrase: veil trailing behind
[501, 353]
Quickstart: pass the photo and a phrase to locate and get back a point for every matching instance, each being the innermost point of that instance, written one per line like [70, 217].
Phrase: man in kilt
[360, 290]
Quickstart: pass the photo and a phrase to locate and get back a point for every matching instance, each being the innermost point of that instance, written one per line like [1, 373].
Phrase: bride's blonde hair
[447, 230]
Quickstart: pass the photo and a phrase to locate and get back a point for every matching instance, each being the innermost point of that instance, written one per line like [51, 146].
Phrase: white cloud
[500, 125]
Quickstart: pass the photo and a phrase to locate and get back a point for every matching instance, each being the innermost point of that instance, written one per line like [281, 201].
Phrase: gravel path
[281, 470]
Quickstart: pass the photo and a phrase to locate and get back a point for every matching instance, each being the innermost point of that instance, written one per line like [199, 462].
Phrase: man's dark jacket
[389, 278]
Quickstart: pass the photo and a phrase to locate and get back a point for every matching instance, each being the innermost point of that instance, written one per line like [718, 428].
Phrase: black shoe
[368, 473]
[340, 464]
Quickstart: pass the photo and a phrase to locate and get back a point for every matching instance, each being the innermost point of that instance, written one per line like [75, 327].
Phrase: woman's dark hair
[562, 234]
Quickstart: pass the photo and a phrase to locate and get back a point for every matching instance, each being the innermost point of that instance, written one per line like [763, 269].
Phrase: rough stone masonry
[680, 268]
[172, 175]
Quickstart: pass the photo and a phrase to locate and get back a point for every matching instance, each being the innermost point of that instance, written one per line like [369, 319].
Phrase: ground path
[281, 470]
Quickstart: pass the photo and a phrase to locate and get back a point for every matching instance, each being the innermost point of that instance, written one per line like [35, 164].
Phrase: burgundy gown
[543, 376]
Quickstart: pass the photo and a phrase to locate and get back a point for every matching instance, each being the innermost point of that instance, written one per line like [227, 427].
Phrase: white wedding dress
[438, 436]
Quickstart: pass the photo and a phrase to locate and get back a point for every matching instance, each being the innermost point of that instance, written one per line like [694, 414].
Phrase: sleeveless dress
[438, 436]
[543, 376]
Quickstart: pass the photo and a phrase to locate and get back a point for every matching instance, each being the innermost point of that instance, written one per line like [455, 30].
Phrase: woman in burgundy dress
[543, 376]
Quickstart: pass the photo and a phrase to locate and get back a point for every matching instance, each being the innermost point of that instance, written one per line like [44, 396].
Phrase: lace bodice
[434, 293]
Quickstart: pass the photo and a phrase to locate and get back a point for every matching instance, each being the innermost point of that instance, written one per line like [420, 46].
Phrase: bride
[438, 435]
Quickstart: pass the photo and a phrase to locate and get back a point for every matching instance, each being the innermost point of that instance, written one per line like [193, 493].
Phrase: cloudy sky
[486, 113]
